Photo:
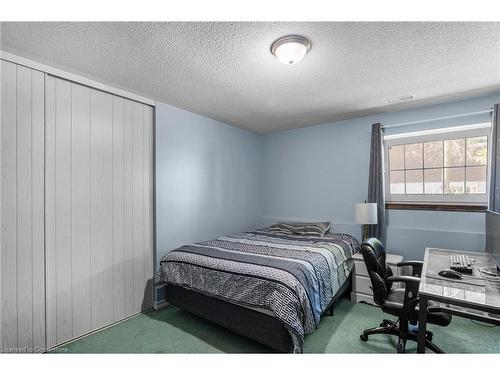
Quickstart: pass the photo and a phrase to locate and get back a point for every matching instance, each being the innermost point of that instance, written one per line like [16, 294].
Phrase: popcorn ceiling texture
[225, 71]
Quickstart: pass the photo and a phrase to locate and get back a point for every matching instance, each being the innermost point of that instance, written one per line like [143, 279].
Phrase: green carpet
[172, 330]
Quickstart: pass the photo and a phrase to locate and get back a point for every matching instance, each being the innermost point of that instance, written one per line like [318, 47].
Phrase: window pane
[415, 182]
[433, 181]
[396, 157]
[433, 154]
[454, 153]
[397, 182]
[477, 150]
[476, 180]
[413, 156]
[454, 180]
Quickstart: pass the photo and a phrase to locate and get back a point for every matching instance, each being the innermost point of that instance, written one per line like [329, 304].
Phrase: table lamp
[365, 214]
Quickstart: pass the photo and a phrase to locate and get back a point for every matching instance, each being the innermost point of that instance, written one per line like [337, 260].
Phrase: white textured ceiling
[225, 70]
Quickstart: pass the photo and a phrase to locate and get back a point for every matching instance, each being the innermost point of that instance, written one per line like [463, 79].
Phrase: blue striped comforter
[292, 277]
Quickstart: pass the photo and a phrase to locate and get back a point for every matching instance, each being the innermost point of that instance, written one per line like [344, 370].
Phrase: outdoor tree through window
[444, 169]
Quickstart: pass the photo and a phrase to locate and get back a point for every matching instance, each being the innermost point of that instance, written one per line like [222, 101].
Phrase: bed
[269, 286]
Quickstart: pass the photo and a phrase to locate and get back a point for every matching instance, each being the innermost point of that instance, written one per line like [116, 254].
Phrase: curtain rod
[437, 119]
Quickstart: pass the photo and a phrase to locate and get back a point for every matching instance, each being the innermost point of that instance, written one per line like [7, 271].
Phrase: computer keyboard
[461, 263]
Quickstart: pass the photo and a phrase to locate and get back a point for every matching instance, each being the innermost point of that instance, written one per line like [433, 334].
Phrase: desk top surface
[479, 289]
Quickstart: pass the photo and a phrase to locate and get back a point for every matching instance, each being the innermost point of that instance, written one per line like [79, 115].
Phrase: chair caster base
[401, 346]
[386, 323]
[388, 327]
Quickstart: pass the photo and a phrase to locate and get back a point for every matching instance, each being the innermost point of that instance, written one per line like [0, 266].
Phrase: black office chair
[402, 303]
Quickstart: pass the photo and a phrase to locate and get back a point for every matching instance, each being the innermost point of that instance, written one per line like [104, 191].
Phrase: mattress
[291, 277]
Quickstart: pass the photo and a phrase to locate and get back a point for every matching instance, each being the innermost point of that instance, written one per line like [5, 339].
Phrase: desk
[474, 296]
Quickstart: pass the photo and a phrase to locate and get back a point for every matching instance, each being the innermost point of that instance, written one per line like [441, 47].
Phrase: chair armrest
[404, 279]
[412, 283]
[436, 309]
[416, 266]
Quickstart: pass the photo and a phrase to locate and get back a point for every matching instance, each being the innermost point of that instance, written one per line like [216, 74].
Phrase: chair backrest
[374, 257]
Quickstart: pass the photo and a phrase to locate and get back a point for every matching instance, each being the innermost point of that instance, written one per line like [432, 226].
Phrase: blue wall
[213, 179]
[207, 178]
[320, 172]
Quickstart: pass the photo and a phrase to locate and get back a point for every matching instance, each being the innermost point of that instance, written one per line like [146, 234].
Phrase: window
[438, 166]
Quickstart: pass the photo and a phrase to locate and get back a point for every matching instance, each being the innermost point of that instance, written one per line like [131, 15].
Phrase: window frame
[442, 134]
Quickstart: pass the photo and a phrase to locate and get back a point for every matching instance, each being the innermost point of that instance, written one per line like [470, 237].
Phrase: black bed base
[255, 325]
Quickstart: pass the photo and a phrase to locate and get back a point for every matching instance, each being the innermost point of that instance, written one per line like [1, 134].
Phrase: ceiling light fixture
[290, 49]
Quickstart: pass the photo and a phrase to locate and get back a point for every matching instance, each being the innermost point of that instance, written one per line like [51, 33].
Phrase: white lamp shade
[365, 213]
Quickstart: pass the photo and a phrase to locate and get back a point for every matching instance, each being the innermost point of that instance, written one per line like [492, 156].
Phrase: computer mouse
[450, 274]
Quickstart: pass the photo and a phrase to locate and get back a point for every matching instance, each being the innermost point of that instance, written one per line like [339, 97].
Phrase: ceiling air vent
[400, 99]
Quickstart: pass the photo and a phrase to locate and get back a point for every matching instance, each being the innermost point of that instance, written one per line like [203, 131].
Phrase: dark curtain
[376, 183]
[494, 198]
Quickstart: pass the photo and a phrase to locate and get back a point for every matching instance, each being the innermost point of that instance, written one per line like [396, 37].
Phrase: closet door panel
[138, 204]
[9, 207]
[80, 213]
[63, 240]
[22, 299]
[50, 210]
[101, 215]
[107, 196]
[98, 209]
[24, 225]
[148, 207]
[38, 207]
[118, 210]
[128, 208]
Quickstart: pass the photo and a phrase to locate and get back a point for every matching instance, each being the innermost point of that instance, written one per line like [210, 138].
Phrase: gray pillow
[317, 229]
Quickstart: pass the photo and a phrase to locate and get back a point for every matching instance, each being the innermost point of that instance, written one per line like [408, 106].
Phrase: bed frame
[255, 325]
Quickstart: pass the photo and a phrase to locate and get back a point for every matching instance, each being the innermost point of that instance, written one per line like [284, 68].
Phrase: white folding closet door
[22, 291]
[99, 208]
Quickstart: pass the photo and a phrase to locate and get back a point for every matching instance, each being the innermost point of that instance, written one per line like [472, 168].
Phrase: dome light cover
[290, 49]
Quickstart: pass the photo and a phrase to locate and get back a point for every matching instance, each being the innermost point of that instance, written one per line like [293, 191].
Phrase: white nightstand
[361, 284]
